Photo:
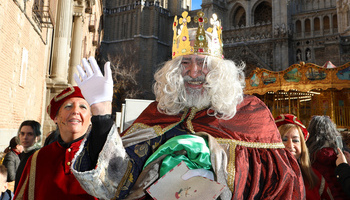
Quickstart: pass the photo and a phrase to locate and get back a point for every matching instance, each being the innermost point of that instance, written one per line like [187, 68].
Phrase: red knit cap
[291, 119]
[59, 99]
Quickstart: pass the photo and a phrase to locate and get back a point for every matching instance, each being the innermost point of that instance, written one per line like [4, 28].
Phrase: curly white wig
[224, 87]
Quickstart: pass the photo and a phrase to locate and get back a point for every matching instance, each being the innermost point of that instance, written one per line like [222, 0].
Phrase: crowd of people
[201, 118]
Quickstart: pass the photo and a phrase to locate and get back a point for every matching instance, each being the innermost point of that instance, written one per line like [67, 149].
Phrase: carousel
[305, 90]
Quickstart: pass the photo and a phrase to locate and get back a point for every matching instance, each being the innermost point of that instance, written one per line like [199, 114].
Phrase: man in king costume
[198, 95]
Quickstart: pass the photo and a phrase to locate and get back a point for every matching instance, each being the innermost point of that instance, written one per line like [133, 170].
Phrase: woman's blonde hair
[309, 176]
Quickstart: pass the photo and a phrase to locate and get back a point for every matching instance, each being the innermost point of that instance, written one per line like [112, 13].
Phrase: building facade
[270, 34]
[145, 26]
[276, 34]
[41, 42]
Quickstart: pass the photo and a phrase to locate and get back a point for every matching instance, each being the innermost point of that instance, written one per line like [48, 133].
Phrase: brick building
[41, 41]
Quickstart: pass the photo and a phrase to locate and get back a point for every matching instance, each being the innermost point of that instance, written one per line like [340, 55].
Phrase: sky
[196, 4]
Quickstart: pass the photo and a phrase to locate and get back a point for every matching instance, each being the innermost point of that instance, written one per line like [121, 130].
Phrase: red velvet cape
[259, 166]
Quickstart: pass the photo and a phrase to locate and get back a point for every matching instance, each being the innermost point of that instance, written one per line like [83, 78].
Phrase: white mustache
[198, 79]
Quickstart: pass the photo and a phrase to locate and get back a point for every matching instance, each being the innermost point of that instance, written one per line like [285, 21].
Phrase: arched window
[239, 17]
[307, 25]
[326, 22]
[317, 25]
[298, 26]
[335, 21]
[263, 13]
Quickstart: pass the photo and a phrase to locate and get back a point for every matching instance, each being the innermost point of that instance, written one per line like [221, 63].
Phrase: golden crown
[181, 40]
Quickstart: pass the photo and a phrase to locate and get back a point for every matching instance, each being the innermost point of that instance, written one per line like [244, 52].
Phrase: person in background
[5, 194]
[342, 171]
[199, 100]
[29, 134]
[47, 174]
[323, 151]
[51, 137]
[294, 135]
[346, 137]
[11, 161]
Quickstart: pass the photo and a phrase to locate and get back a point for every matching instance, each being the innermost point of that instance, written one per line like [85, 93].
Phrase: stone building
[143, 25]
[40, 42]
[271, 34]
[277, 34]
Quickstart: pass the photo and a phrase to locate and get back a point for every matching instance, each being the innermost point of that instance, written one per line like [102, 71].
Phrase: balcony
[247, 34]
[42, 13]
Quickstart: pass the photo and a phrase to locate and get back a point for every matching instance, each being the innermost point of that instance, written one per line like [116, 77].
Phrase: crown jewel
[181, 40]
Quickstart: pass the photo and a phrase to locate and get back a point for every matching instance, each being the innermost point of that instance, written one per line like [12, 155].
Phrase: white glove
[94, 86]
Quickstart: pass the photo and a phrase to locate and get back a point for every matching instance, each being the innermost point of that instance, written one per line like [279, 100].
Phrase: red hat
[291, 119]
[59, 99]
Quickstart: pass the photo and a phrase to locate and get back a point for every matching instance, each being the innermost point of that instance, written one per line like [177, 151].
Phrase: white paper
[172, 187]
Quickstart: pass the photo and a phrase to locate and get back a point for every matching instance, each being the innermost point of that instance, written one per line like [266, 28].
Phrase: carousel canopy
[302, 77]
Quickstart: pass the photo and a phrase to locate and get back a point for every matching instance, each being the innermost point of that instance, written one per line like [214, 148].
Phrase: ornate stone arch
[261, 12]
[238, 16]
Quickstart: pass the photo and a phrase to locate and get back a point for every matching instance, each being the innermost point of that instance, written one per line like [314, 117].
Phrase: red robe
[49, 175]
[325, 164]
[315, 193]
[258, 165]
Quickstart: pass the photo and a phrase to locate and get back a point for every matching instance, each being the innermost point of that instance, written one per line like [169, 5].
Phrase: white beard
[197, 98]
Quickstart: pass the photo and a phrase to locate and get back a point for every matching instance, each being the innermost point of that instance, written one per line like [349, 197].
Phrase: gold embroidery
[189, 119]
[141, 149]
[231, 168]
[32, 176]
[59, 98]
[124, 179]
[194, 110]
[20, 194]
[157, 129]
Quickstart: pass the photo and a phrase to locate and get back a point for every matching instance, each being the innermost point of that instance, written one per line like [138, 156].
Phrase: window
[239, 17]
[263, 13]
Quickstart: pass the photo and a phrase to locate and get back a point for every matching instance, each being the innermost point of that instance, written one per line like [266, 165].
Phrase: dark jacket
[24, 157]
[342, 173]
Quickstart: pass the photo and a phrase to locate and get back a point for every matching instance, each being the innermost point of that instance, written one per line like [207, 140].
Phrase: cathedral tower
[146, 27]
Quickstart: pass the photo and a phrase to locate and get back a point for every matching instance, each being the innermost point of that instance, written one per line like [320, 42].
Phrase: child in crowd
[5, 194]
